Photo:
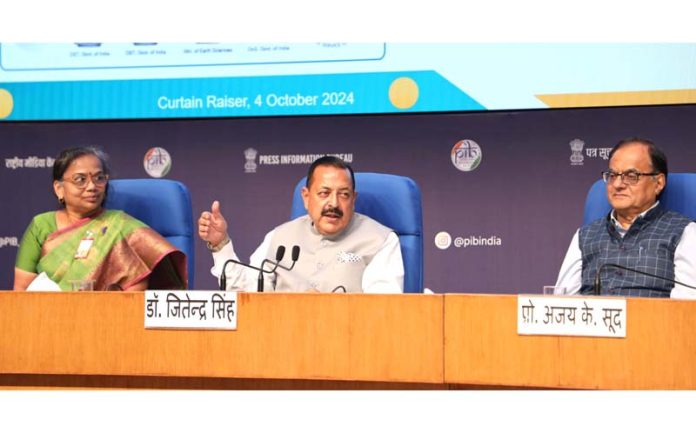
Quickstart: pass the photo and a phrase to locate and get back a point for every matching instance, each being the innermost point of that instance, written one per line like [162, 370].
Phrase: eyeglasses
[81, 180]
[630, 177]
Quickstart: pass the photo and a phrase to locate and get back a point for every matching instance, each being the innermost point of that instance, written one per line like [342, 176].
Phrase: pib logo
[466, 155]
[157, 162]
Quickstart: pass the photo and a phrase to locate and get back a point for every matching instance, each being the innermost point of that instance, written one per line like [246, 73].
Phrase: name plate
[195, 309]
[560, 315]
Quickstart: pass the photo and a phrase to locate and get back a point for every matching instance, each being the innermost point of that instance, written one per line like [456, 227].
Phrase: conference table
[95, 340]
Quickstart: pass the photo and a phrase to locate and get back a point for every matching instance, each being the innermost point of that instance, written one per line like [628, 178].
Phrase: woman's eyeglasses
[81, 180]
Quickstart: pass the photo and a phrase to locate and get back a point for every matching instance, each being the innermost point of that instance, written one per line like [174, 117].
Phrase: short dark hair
[658, 159]
[332, 161]
[67, 156]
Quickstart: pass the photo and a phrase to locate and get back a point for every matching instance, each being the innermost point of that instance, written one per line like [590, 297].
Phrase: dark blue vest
[647, 246]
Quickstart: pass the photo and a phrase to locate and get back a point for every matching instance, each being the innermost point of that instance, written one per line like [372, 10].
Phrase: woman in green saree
[82, 241]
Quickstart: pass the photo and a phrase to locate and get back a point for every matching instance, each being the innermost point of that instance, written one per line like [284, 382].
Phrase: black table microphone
[280, 252]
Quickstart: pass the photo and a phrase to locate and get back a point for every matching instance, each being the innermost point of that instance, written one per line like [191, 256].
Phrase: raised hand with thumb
[212, 226]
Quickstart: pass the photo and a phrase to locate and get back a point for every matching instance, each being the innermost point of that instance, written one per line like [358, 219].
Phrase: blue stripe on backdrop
[392, 92]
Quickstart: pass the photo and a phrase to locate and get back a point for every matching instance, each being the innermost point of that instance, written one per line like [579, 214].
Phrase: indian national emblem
[576, 146]
[250, 164]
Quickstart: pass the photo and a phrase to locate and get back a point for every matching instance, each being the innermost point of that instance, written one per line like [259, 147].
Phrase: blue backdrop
[509, 218]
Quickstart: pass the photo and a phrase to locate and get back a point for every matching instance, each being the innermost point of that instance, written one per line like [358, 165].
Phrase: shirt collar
[619, 228]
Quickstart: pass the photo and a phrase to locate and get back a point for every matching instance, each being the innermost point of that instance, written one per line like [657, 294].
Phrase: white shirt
[384, 274]
[570, 276]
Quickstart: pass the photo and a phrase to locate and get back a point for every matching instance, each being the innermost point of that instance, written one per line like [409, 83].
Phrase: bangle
[219, 246]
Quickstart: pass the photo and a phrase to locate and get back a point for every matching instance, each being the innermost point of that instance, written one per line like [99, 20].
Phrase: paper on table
[43, 284]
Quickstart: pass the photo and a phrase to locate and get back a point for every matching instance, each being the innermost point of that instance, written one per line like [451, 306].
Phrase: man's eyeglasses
[630, 177]
[81, 180]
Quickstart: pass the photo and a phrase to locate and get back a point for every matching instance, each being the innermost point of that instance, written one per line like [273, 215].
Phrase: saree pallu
[123, 252]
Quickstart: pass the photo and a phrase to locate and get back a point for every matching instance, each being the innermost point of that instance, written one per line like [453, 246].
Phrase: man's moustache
[332, 211]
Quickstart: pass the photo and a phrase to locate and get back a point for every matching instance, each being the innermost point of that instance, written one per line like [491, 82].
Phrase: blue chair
[164, 205]
[679, 195]
[394, 201]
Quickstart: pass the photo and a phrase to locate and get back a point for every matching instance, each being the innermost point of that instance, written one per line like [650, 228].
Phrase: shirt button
[312, 284]
[320, 265]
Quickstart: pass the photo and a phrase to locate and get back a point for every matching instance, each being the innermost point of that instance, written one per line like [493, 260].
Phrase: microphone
[598, 283]
[223, 276]
[295, 253]
[279, 256]
[280, 252]
[294, 256]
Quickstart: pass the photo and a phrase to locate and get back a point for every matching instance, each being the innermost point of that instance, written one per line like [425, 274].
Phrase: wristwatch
[219, 246]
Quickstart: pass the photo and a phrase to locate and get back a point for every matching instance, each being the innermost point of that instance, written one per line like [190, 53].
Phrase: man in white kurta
[340, 251]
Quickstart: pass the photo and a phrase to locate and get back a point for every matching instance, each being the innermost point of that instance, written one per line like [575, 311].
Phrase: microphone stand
[223, 275]
[295, 256]
[597, 281]
[260, 282]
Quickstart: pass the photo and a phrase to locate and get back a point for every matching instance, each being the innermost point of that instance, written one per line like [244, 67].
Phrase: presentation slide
[92, 80]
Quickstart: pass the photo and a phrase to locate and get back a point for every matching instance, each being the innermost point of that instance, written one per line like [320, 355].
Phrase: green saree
[122, 252]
